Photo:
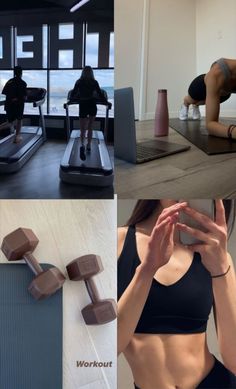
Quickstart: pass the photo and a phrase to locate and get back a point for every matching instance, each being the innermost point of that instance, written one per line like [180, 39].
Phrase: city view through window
[61, 80]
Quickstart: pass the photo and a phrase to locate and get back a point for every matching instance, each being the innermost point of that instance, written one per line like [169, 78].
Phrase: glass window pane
[91, 57]
[38, 79]
[61, 81]
[105, 78]
[5, 75]
[66, 58]
[33, 78]
[111, 56]
[66, 31]
[19, 46]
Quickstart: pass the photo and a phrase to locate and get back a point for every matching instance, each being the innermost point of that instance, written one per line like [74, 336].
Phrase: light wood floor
[66, 230]
[190, 174]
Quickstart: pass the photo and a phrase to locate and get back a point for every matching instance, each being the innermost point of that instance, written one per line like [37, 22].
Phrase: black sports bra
[180, 308]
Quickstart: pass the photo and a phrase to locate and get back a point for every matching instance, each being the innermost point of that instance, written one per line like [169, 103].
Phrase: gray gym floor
[39, 178]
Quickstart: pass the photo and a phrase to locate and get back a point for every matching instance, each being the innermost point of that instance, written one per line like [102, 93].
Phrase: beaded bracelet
[221, 275]
[230, 130]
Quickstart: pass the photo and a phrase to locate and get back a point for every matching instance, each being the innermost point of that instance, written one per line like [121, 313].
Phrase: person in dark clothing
[15, 91]
[85, 89]
[166, 288]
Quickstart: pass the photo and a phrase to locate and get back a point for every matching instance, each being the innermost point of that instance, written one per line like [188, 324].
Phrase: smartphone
[207, 207]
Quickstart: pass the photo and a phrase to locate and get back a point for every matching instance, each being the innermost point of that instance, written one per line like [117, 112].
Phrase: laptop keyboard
[144, 152]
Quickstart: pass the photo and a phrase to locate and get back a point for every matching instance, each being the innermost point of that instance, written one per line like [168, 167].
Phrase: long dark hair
[87, 73]
[144, 208]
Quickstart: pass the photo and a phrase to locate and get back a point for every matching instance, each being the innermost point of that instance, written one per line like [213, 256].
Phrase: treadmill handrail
[36, 103]
[39, 103]
[98, 101]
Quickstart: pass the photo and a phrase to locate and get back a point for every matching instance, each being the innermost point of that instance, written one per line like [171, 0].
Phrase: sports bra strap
[130, 240]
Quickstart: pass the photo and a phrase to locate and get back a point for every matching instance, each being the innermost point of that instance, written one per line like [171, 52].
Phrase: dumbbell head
[19, 242]
[99, 311]
[46, 283]
[85, 267]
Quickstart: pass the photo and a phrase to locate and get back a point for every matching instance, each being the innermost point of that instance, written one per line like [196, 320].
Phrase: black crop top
[180, 308]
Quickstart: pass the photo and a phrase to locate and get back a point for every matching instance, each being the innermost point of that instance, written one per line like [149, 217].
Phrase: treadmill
[97, 169]
[14, 155]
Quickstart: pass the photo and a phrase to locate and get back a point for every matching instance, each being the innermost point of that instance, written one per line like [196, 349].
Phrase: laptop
[126, 147]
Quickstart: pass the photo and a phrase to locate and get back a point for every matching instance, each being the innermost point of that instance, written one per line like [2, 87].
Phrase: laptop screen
[125, 132]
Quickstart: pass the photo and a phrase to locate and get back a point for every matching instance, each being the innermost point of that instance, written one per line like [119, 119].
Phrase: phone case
[204, 206]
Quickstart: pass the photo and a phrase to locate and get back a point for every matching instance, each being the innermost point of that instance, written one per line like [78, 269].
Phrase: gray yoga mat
[196, 133]
[30, 333]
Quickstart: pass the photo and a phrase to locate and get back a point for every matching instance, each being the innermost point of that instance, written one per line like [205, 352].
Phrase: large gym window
[53, 56]
[92, 50]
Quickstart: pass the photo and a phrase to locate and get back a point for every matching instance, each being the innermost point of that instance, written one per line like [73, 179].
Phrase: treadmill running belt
[92, 162]
[8, 148]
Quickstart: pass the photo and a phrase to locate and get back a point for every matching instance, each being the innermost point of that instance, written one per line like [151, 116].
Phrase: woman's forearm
[217, 129]
[131, 305]
[224, 289]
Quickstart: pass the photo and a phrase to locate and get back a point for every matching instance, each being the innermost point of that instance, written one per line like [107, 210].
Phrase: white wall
[125, 379]
[171, 52]
[128, 44]
[215, 38]
[155, 48]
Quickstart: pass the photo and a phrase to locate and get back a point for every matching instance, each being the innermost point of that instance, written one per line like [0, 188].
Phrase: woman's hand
[213, 249]
[161, 242]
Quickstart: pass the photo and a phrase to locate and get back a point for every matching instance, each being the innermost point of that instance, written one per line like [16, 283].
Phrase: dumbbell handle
[32, 263]
[92, 290]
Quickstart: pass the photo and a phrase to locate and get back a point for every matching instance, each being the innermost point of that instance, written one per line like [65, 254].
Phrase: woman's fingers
[204, 220]
[171, 210]
[160, 227]
[200, 235]
[220, 213]
[165, 229]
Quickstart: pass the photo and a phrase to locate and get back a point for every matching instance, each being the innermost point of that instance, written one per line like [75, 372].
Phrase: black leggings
[218, 378]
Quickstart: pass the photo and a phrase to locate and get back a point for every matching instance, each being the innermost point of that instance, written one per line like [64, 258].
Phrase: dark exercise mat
[30, 333]
[196, 133]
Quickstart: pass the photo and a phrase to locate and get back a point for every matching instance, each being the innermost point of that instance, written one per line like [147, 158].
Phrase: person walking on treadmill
[15, 91]
[84, 90]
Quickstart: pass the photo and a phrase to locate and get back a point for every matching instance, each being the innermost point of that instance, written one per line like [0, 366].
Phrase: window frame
[48, 70]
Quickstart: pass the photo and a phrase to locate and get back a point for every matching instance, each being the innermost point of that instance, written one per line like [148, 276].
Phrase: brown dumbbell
[19, 244]
[84, 268]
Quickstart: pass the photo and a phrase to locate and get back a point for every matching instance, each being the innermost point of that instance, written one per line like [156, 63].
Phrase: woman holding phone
[166, 291]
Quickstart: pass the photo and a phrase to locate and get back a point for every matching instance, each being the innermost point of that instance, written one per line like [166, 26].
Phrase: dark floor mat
[8, 148]
[30, 333]
[93, 160]
[196, 133]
